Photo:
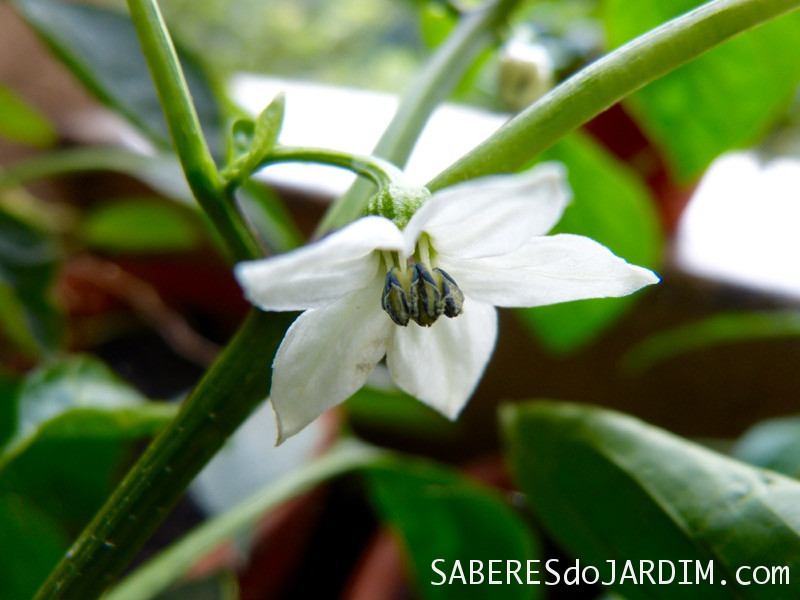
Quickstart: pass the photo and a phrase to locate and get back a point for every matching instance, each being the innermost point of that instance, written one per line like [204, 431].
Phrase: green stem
[380, 172]
[603, 83]
[187, 136]
[237, 382]
[74, 160]
[435, 82]
[171, 564]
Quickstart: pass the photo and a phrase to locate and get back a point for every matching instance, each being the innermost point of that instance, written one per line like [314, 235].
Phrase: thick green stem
[435, 82]
[167, 567]
[187, 136]
[606, 81]
[237, 382]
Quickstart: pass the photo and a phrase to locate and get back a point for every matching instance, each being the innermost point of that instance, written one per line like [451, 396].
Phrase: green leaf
[269, 216]
[440, 514]
[140, 225]
[28, 262]
[101, 48]
[263, 134]
[609, 487]
[394, 410]
[219, 586]
[772, 444]
[22, 123]
[725, 99]
[78, 398]
[713, 331]
[610, 205]
[73, 421]
[32, 542]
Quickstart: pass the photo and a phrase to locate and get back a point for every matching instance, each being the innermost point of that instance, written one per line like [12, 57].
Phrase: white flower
[486, 235]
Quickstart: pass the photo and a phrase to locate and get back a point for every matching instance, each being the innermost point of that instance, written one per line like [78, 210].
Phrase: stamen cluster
[421, 294]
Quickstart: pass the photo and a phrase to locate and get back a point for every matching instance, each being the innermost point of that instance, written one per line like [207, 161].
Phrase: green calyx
[397, 202]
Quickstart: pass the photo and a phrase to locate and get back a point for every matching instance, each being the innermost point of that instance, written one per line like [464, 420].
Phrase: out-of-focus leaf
[9, 388]
[609, 487]
[724, 99]
[439, 514]
[21, 123]
[32, 543]
[101, 48]
[720, 329]
[610, 205]
[219, 586]
[394, 410]
[269, 216]
[80, 398]
[140, 225]
[772, 444]
[28, 263]
[436, 21]
[73, 423]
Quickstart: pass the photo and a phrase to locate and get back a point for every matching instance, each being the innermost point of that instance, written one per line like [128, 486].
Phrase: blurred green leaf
[716, 330]
[101, 48]
[772, 444]
[609, 487]
[32, 543]
[267, 213]
[394, 410]
[79, 397]
[725, 99]
[436, 21]
[140, 225]
[610, 205]
[28, 262]
[9, 388]
[439, 513]
[22, 123]
[219, 586]
[74, 420]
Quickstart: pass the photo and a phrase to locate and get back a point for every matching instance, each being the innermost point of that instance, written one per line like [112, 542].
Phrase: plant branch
[237, 382]
[187, 136]
[473, 34]
[606, 81]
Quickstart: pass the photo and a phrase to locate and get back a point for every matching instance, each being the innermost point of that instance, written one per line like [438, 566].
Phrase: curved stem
[606, 81]
[441, 74]
[377, 170]
[187, 136]
[237, 382]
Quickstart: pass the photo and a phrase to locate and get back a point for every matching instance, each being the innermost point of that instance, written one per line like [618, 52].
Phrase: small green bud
[397, 202]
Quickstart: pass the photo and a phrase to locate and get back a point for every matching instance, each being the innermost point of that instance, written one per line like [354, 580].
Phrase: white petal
[326, 356]
[441, 365]
[321, 272]
[548, 270]
[492, 215]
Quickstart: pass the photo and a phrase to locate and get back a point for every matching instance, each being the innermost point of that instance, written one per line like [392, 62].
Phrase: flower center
[420, 293]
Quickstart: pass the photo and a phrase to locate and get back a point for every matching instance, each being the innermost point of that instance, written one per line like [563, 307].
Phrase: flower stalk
[186, 133]
[607, 81]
